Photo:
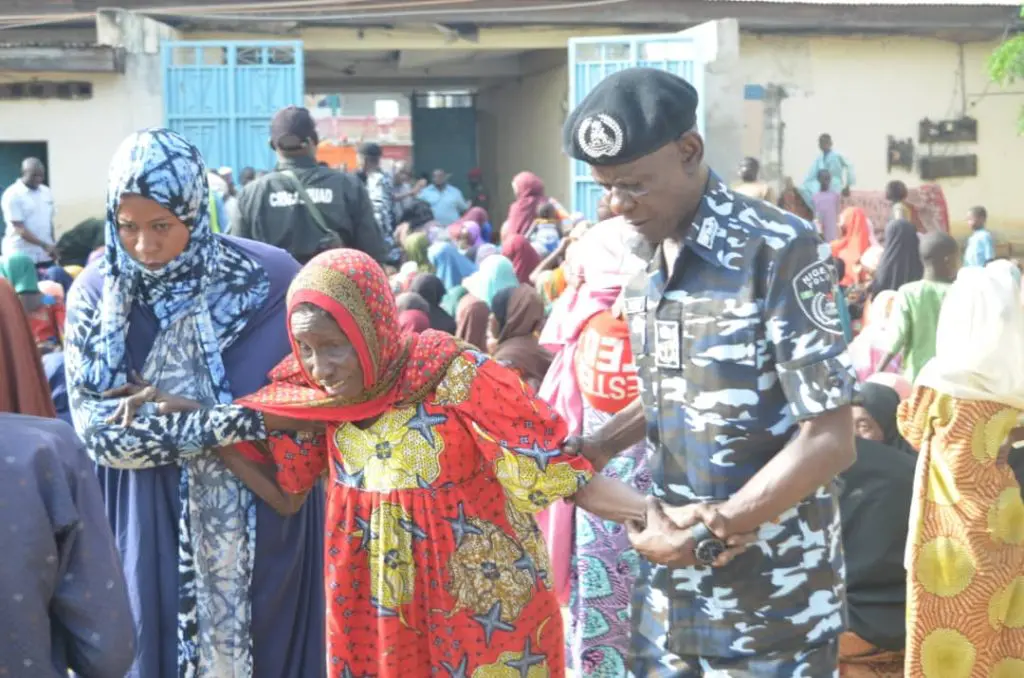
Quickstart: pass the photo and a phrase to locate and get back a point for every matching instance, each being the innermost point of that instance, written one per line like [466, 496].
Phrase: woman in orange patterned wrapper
[438, 457]
[965, 552]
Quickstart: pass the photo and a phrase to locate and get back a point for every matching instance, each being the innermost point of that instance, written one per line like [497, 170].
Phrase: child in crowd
[546, 233]
[980, 248]
[916, 317]
[826, 207]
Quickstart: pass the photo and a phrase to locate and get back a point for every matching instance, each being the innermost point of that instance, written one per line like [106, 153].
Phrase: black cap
[370, 150]
[628, 115]
[291, 128]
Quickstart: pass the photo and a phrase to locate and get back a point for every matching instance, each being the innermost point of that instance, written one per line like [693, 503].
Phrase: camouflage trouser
[649, 657]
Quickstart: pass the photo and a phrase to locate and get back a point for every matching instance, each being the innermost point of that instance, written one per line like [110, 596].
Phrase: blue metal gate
[222, 95]
[591, 60]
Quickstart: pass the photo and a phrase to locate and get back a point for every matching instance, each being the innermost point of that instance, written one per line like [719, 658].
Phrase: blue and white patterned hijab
[165, 167]
[202, 300]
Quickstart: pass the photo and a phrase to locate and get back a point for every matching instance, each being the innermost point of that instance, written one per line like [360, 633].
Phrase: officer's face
[149, 232]
[326, 352]
[657, 192]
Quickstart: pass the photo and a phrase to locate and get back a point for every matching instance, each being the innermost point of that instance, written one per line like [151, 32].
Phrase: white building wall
[81, 135]
[863, 89]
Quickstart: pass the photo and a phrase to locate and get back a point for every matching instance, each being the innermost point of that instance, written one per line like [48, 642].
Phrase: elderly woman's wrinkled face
[865, 426]
[149, 232]
[326, 352]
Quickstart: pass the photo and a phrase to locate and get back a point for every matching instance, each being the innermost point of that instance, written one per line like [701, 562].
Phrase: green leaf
[1006, 65]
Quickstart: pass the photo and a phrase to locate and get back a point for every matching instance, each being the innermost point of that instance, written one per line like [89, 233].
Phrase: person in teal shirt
[981, 247]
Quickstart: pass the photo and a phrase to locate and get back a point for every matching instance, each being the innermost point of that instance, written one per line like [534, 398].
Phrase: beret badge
[600, 136]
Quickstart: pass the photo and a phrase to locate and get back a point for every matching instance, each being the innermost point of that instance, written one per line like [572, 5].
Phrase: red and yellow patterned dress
[434, 564]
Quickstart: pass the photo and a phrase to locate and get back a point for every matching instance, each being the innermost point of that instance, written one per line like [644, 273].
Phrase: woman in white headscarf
[1008, 268]
[965, 551]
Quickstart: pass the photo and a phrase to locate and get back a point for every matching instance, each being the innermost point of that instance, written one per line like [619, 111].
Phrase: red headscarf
[855, 241]
[529, 195]
[520, 252]
[413, 321]
[399, 368]
[23, 385]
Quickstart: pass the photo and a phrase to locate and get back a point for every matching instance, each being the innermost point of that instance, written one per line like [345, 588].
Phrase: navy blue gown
[287, 627]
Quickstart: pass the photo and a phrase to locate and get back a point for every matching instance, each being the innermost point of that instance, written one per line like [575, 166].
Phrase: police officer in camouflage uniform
[745, 400]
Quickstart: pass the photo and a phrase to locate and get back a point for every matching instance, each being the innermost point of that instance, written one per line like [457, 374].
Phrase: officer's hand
[662, 541]
[691, 514]
[666, 539]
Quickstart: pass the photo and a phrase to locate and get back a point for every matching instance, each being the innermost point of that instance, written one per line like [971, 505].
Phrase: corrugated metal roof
[882, 3]
[63, 45]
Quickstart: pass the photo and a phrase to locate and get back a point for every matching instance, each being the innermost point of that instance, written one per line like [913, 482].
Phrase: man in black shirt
[304, 208]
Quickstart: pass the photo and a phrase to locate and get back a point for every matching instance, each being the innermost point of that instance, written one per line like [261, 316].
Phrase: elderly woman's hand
[138, 392]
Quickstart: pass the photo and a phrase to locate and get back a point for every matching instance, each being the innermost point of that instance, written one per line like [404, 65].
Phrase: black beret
[628, 115]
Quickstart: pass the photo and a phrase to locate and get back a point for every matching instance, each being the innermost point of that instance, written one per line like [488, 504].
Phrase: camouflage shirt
[741, 343]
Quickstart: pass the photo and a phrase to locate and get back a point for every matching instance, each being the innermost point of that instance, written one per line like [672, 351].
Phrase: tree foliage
[1006, 65]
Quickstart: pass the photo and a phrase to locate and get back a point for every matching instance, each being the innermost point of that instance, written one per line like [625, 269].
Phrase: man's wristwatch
[707, 547]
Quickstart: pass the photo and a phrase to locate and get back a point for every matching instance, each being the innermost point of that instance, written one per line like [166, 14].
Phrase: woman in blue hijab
[450, 265]
[220, 584]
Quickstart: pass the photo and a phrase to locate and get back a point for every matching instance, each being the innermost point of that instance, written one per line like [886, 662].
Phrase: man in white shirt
[27, 206]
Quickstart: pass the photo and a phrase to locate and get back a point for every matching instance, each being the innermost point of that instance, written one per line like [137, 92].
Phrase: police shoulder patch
[814, 288]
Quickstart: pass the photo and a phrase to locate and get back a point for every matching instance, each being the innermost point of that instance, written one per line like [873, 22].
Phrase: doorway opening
[12, 153]
[444, 135]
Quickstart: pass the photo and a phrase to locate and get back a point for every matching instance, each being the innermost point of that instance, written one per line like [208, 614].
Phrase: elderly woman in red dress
[438, 459]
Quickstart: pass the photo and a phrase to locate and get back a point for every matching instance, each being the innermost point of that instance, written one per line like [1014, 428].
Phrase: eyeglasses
[633, 193]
